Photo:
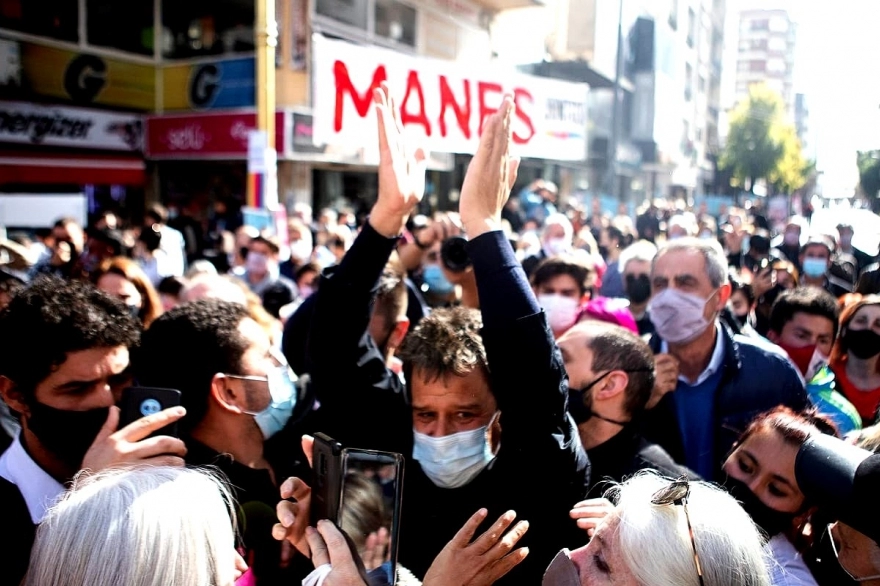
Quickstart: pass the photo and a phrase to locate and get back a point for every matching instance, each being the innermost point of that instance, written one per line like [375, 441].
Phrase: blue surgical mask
[453, 460]
[282, 390]
[436, 281]
[815, 267]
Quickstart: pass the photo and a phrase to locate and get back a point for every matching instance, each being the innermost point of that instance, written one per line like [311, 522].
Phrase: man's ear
[773, 336]
[724, 295]
[613, 385]
[12, 396]
[395, 338]
[224, 396]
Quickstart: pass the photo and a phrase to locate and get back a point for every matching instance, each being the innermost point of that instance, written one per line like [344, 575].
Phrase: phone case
[138, 402]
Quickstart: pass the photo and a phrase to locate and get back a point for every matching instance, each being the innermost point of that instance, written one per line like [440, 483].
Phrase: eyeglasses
[834, 546]
[677, 494]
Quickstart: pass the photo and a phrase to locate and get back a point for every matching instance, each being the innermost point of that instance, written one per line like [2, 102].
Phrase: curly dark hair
[187, 346]
[446, 342]
[51, 318]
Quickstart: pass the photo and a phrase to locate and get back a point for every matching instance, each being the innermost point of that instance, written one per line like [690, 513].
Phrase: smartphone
[360, 491]
[138, 402]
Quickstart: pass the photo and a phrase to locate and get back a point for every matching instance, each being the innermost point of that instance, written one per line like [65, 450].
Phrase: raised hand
[589, 513]
[130, 445]
[490, 176]
[481, 563]
[401, 170]
[293, 516]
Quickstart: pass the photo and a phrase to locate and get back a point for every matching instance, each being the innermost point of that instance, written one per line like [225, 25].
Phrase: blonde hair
[656, 544]
[149, 526]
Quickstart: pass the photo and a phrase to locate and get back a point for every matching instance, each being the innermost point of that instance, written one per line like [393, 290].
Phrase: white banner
[442, 103]
[64, 126]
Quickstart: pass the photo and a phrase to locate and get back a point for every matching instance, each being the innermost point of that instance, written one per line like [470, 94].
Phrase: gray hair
[559, 219]
[713, 255]
[149, 526]
[641, 250]
[205, 286]
[656, 544]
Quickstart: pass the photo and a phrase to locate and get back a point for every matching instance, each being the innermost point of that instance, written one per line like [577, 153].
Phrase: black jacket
[753, 380]
[625, 454]
[540, 470]
[20, 531]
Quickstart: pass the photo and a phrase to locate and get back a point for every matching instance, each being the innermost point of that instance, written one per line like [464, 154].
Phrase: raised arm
[528, 377]
[344, 361]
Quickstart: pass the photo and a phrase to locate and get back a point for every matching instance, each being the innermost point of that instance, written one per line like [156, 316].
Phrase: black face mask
[638, 288]
[862, 343]
[769, 520]
[67, 434]
[580, 402]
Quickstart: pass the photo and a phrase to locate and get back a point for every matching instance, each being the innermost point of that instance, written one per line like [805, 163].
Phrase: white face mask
[257, 262]
[453, 460]
[561, 311]
[678, 316]
[282, 390]
[556, 246]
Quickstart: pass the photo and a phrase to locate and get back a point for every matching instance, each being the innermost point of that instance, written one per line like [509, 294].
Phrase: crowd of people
[672, 399]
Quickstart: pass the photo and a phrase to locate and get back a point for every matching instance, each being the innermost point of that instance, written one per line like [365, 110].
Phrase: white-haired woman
[666, 533]
[154, 526]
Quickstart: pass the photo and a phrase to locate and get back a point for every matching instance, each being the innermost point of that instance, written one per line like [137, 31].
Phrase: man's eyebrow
[73, 384]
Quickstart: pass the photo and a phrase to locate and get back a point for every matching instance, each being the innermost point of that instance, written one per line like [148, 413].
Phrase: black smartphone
[361, 491]
[138, 402]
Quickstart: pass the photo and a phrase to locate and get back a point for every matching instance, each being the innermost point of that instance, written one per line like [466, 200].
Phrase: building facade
[765, 54]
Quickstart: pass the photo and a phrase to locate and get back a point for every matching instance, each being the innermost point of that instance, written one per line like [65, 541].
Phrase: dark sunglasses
[677, 494]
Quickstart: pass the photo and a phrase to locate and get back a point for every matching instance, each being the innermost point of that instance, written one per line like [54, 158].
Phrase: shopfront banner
[62, 126]
[221, 135]
[443, 103]
[85, 78]
[212, 85]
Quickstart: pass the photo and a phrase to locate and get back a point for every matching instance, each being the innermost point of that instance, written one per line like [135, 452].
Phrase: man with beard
[63, 363]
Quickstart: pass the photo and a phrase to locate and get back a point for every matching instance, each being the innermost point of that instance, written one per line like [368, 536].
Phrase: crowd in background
[522, 354]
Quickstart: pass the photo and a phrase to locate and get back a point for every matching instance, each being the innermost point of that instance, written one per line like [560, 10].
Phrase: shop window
[132, 25]
[351, 12]
[200, 27]
[396, 21]
[58, 19]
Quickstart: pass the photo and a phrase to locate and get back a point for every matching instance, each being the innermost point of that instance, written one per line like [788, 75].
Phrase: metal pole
[611, 181]
[266, 34]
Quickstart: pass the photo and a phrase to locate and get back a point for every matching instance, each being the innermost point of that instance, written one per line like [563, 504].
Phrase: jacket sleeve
[527, 373]
[355, 389]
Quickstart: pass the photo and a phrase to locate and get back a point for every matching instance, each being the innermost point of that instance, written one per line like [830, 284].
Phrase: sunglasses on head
[677, 494]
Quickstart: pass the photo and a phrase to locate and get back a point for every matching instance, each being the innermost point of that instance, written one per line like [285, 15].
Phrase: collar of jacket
[732, 361]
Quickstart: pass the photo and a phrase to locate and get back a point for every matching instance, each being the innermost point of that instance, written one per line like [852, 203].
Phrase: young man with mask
[468, 373]
[724, 380]
[815, 261]
[562, 286]
[261, 267]
[803, 322]
[611, 375]
[64, 361]
[635, 270]
[238, 393]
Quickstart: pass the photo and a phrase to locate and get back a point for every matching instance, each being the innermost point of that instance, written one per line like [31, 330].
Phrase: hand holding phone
[139, 402]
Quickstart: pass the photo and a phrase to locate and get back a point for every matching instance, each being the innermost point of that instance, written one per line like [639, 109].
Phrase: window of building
[688, 82]
[206, 27]
[58, 19]
[692, 26]
[673, 15]
[701, 84]
[396, 21]
[354, 13]
[760, 25]
[132, 29]
[757, 65]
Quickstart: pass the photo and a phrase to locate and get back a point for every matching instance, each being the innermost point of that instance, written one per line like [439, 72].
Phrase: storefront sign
[85, 78]
[24, 123]
[210, 85]
[206, 136]
[443, 103]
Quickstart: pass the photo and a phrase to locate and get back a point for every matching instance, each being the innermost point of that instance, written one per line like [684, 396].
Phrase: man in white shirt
[64, 360]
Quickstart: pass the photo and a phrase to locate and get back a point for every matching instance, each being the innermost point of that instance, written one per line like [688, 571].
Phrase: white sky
[835, 66]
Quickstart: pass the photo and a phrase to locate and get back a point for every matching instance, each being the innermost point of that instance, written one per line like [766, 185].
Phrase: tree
[791, 170]
[869, 173]
[755, 142]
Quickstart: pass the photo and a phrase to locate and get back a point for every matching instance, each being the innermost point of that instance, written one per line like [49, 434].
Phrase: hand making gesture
[401, 170]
